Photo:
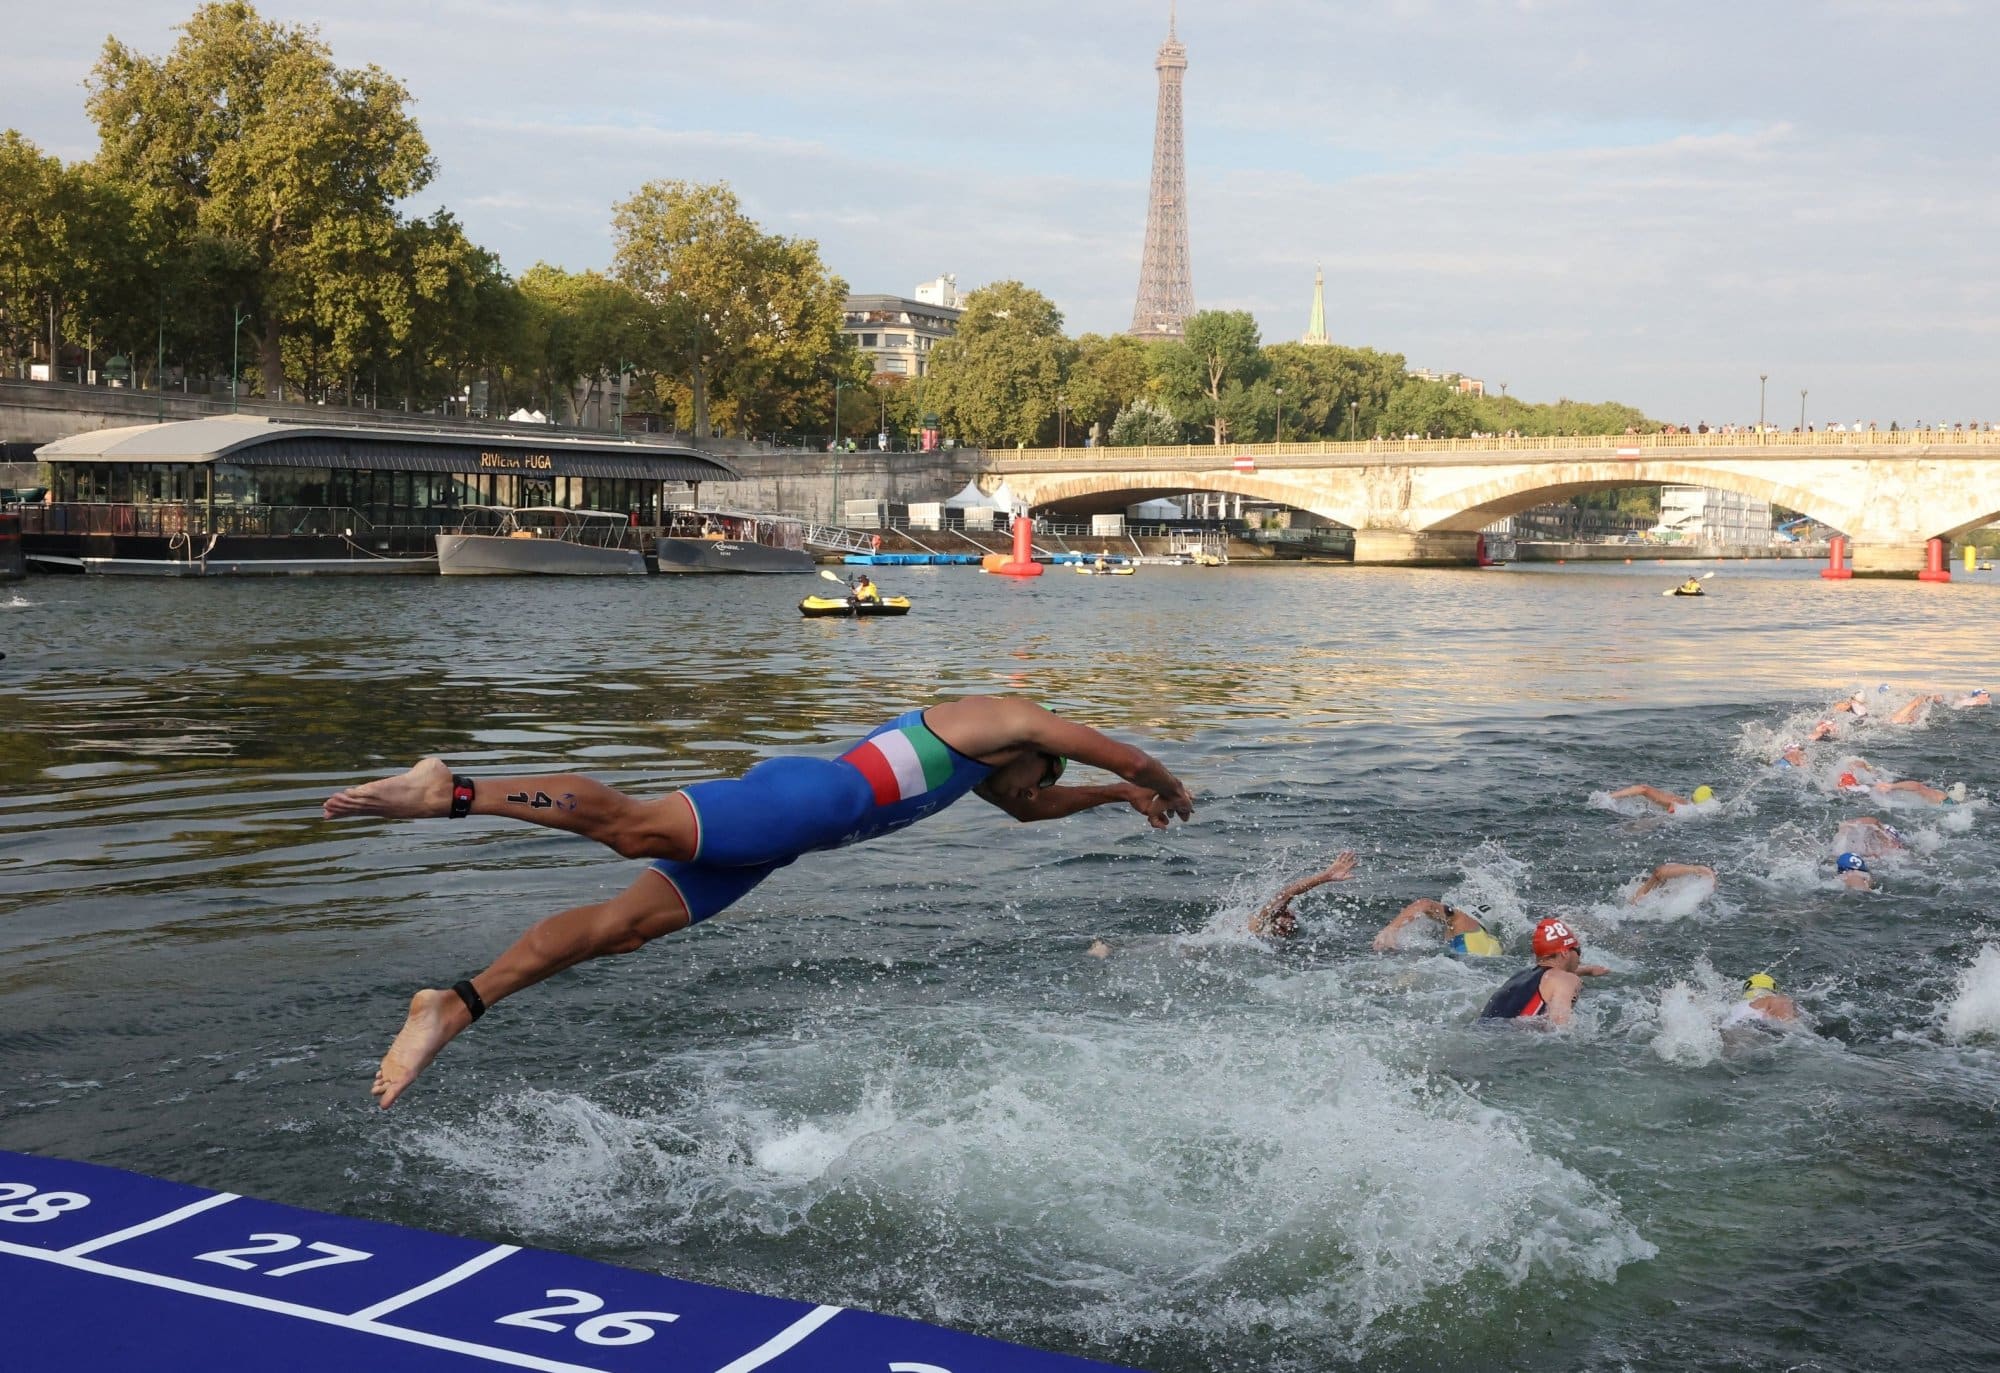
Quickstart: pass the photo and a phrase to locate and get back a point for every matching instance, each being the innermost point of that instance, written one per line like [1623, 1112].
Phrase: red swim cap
[1848, 779]
[1552, 936]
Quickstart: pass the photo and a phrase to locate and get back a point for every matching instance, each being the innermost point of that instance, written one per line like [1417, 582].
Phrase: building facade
[898, 332]
[1697, 514]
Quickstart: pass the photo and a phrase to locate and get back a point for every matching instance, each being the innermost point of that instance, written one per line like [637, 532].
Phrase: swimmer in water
[1464, 931]
[1931, 796]
[1972, 700]
[1790, 756]
[1852, 871]
[1666, 800]
[1670, 872]
[1548, 989]
[1825, 729]
[1913, 710]
[1275, 920]
[1856, 705]
[1867, 836]
[1763, 1005]
[712, 842]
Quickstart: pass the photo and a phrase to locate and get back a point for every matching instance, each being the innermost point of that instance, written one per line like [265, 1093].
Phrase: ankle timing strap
[470, 996]
[461, 796]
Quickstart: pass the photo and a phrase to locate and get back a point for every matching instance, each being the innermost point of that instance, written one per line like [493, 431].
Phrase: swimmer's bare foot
[422, 792]
[434, 1021]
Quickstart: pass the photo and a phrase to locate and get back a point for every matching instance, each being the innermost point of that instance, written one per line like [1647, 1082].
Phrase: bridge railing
[1184, 456]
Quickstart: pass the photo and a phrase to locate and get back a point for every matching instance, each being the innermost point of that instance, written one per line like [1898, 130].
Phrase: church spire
[1316, 328]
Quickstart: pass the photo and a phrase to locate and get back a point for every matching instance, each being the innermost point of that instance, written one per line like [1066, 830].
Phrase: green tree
[1430, 410]
[996, 380]
[753, 318]
[1106, 374]
[1332, 391]
[247, 133]
[585, 328]
[1145, 422]
[1208, 376]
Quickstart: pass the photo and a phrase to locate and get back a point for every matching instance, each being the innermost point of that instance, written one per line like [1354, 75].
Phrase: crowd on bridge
[1858, 427]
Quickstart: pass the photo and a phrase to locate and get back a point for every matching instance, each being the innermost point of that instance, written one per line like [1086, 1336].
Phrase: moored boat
[729, 541]
[547, 541]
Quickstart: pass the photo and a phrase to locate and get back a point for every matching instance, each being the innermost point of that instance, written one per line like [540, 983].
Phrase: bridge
[1419, 502]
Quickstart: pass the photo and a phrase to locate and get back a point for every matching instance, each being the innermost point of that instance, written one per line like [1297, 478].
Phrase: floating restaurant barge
[243, 494]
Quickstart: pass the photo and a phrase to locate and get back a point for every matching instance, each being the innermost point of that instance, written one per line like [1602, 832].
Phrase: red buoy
[1836, 569]
[1024, 564]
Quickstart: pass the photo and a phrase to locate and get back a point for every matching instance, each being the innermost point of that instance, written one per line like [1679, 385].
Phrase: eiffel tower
[1166, 277]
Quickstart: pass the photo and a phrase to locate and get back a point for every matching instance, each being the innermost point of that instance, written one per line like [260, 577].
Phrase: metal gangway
[832, 536]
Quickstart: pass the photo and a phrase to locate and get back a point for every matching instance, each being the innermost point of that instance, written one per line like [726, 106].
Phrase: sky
[1594, 199]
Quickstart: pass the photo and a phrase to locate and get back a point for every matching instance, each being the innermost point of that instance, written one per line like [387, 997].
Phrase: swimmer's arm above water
[1385, 938]
[1339, 870]
[985, 726]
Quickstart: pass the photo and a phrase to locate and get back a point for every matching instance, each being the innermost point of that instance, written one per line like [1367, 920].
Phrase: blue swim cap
[1782, 763]
[1850, 862]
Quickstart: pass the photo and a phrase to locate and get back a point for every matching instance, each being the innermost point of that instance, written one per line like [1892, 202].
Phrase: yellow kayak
[1087, 570]
[816, 606]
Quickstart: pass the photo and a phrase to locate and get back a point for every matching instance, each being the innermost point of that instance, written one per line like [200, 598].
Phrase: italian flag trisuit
[902, 764]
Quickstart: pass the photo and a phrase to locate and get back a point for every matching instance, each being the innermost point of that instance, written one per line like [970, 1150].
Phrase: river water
[893, 1079]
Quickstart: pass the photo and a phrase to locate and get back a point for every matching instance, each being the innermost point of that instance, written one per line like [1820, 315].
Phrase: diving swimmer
[1464, 932]
[1762, 1004]
[1550, 987]
[712, 842]
[1665, 800]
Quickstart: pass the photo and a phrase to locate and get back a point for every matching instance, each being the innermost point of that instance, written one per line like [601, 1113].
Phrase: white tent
[1155, 510]
[972, 498]
[1003, 498]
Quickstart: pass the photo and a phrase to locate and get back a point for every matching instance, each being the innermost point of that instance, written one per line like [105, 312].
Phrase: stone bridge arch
[1456, 505]
[1292, 489]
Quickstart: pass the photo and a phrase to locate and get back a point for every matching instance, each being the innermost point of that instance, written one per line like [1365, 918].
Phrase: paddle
[1671, 590]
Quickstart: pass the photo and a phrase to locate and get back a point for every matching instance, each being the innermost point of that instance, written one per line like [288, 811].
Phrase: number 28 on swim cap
[1552, 936]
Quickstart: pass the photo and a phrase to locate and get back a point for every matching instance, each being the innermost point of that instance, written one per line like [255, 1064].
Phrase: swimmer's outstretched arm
[1339, 870]
[1385, 938]
[642, 912]
[1668, 872]
[1052, 803]
[993, 728]
[1666, 800]
[632, 828]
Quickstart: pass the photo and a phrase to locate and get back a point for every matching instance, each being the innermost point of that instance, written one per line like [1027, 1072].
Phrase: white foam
[1690, 1033]
[16, 601]
[1267, 1153]
[1974, 1009]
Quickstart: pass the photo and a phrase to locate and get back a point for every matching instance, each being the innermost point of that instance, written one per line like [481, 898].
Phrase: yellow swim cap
[1703, 793]
[1757, 984]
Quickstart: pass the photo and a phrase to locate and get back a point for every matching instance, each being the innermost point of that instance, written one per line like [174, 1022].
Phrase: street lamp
[1353, 420]
[621, 397]
[1762, 377]
[1062, 421]
[235, 340]
[1802, 409]
[837, 385]
[1281, 412]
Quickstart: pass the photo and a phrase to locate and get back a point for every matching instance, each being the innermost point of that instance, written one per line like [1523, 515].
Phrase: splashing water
[1974, 1009]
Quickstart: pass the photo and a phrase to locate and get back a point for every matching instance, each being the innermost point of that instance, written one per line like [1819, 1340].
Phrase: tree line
[1010, 377]
[241, 218]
